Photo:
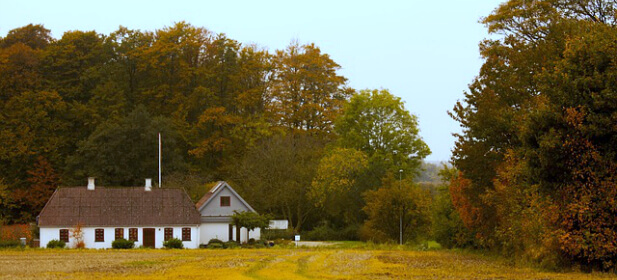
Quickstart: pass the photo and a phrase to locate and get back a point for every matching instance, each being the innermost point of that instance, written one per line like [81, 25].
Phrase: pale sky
[426, 52]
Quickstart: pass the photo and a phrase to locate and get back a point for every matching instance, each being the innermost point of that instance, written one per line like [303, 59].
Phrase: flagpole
[159, 159]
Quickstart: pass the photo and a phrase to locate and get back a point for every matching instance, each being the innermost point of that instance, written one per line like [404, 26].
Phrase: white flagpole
[159, 159]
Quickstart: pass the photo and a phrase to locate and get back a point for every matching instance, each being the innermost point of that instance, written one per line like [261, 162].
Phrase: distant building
[147, 215]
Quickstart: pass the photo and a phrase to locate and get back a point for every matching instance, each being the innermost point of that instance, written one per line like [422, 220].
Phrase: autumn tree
[536, 123]
[307, 93]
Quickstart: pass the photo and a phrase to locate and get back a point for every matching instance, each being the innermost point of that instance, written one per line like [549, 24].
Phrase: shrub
[272, 234]
[251, 241]
[215, 241]
[9, 243]
[216, 246]
[54, 243]
[122, 244]
[325, 232]
[173, 243]
[230, 244]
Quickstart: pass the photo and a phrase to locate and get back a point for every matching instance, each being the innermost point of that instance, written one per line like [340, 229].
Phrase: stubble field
[294, 263]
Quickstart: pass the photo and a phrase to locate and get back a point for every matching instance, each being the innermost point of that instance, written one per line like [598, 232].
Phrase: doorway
[148, 237]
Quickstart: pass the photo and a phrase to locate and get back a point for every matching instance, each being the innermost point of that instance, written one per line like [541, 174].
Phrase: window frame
[99, 235]
[63, 235]
[118, 232]
[186, 234]
[228, 198]
[168, 234]
[133, 234]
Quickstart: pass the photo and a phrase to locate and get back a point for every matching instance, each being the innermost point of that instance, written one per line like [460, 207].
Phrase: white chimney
[148, 184]
[90, 183]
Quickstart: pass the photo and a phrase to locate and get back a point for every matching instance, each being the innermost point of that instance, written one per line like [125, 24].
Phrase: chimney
[90, 183]
[148, 184]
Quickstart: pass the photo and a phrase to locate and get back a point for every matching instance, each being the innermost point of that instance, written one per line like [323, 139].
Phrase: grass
[347, 260]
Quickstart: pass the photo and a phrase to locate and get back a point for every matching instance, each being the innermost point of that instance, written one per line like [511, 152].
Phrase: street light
[400, 215]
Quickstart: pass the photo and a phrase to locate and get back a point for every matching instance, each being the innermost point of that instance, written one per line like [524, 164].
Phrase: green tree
[377, 123]
[250, 221]
[124, 152]
[398, 206]
[335, 188]
[276, 174]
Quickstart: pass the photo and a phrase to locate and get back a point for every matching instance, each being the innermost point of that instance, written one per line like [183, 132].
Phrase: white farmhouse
[147, 215]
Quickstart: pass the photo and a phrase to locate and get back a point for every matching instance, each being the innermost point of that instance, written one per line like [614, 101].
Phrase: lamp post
[400, 215]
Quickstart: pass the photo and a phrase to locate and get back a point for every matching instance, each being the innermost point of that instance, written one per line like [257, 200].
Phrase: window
[133, 234]
[169, 233]
[99, 235]
[119, 233]
[186, 234]
[64, 235]
[225, 201]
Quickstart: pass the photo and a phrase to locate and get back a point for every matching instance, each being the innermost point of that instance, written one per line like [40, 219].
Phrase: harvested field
[319, 263]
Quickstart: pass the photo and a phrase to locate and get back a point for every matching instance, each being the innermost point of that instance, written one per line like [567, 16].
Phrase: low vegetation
[276, 263]
[173, 243]
[122, 244]
[54, 243]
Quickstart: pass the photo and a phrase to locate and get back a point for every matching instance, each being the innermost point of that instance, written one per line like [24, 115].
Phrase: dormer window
[225, 201]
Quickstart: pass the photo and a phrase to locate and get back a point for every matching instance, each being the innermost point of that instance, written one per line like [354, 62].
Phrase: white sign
[297, 237]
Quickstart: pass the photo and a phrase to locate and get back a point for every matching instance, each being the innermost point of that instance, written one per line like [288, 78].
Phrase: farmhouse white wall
[214, 208]
[47, 234]
[221, 231]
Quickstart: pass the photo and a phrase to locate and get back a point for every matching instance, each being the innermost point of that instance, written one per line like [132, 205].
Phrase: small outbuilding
[216, 208]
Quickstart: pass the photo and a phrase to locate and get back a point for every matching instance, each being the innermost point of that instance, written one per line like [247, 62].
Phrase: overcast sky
[426, 52]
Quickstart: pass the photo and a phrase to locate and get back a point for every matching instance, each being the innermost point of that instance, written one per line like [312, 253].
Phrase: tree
[276, 176]
[43, 181]
[249, 220]
[376, 123]
[335, 188]
[537, 147]
[32, 124]
[33, 36]
[307, 94]
[397, 207]
[124, 152]
[448, 228]
[73, 64]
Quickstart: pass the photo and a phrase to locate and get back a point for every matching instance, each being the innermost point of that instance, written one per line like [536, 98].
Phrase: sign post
[297, 239]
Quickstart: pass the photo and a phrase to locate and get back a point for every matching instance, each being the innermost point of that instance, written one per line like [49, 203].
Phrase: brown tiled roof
[209, 194]
[122, 206]
[203, 200]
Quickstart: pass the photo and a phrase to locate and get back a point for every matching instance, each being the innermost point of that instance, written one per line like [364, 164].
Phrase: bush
[216, 246]
[251, 241]
[215, 241]
[173, 243]
[272, 234]
[230, 244]
[122, 244]
[9, 243]
[54, 243]
[325, 232]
